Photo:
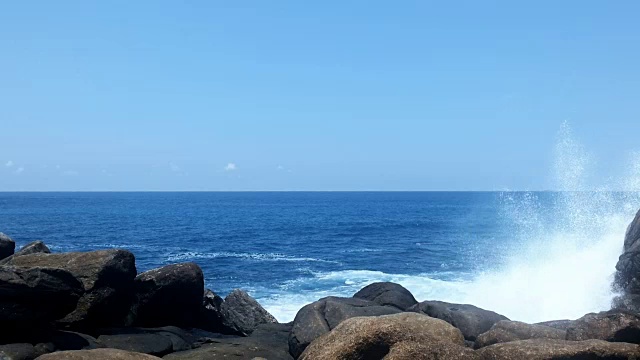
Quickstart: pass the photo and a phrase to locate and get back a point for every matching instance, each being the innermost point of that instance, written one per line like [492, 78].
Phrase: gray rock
[557, 324]
[30, 297]
[17, 352]
[7, 246]
[152, 344]
[387, 294]
[505, 331]
[268, 341]
[627, 302]
[471, 320]
[211, 312]
[320, 317]
[627, 278]
[241, 313]
[609, 326]
[35, 247]
[547, 349]
[107, 277]
[170, 295]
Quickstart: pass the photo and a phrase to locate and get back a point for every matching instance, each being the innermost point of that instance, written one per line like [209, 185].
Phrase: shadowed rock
[609, 326]
[375, 337]
[21, 351]
[7, 246]
[627, 278]
[471, 320]
[97, 354]
[152, 344]
[30, 297]
[505, 331]
[320, 317]
[387, 294]
[170, 295]
[557, 324]
[107, 278]
[547, 349]
[268, 341]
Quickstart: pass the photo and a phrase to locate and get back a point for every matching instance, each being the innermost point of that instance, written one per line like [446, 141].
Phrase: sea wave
[248, 256]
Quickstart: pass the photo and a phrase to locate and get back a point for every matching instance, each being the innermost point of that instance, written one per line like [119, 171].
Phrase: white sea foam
[560, 266]
[190, 255]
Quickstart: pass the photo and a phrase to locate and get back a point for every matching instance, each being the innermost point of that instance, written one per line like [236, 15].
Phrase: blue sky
[329, 95]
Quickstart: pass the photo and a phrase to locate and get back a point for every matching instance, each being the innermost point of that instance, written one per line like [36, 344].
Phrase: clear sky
[301, 95]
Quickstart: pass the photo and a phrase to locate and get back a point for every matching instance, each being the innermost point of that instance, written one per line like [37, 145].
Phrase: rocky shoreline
[94, 305]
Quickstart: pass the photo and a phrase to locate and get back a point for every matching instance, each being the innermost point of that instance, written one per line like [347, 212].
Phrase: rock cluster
[94, 305]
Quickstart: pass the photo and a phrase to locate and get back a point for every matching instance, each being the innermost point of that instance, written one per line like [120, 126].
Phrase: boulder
[387, 294]
[268, 341]
[627, 302]
[7, 246]
[505, 331]
[211, 312]
[471, 320]
[97, 354]
[30, 297]
[170, 295]
[241, 313]
[322, 316]
[36, 247]
[609, 326]
[410, 350]
[69, 340]
[145, 340]
[627, 278]
[107, 278]
[557, 324]
[152, 344]
[375, 337]
[549, 349]
[17, 352]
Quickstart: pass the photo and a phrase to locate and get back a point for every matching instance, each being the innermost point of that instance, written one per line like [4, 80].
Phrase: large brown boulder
[471, 320]
[609, 326]
[505, 331]
[548, 349]
[30, 297]
[376, 337]
[7, 246]
[97, 354]
[107, 278]
[322, 316]
[170, 295]
[387, 294]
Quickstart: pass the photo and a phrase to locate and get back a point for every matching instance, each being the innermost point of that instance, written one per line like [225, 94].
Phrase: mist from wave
[559, 266]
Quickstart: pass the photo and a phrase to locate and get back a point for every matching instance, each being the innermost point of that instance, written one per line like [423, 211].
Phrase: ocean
[532, 256]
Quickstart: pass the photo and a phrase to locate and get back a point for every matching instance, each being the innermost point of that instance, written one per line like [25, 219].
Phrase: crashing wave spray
[563, 262]
[559, 266]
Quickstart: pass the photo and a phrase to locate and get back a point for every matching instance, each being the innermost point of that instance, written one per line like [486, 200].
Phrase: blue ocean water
[290, 248]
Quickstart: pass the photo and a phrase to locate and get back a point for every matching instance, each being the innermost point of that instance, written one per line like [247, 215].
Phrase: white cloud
[174, 167]
[230, 167]
[58, 167]
[9, 163]
[19, 170]
[280, 167]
